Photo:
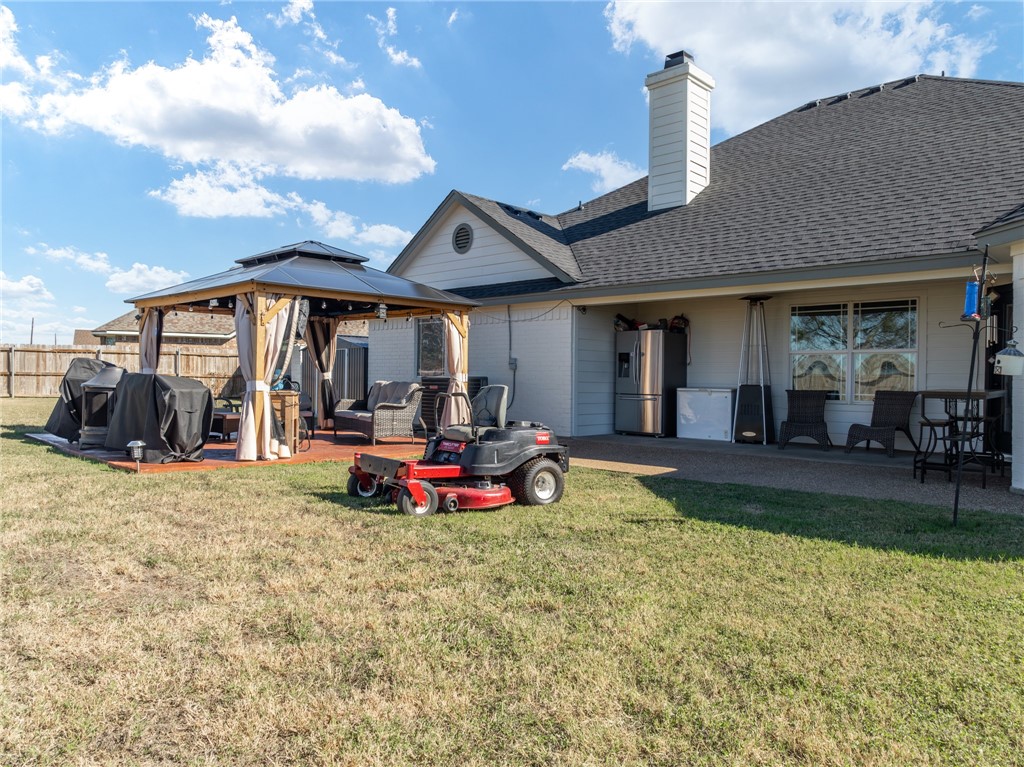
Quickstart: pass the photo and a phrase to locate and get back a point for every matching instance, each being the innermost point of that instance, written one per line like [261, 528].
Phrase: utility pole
[32, 332]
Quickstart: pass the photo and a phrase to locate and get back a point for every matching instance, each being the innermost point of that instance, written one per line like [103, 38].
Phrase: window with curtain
[852, 350]
[431, 358]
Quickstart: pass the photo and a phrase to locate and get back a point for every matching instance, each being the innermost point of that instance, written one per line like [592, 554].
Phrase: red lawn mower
[478, 466]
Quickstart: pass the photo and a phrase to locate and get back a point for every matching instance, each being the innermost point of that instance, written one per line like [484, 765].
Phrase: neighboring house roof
[83, 337]
[905, 172]
[200, 324]
[175, 323]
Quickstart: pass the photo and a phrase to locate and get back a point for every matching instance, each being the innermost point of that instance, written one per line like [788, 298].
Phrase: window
[431, 357]
[852, 350]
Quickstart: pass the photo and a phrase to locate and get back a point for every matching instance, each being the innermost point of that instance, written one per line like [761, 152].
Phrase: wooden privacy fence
[36, 371]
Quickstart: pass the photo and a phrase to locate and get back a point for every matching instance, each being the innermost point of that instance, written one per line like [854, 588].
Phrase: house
[869, 207]
[180, 329]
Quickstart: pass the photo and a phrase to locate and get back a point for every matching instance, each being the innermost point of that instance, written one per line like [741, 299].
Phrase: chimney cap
[677, 58]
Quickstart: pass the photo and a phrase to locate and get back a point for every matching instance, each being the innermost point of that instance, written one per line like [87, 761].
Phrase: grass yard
[262, 617]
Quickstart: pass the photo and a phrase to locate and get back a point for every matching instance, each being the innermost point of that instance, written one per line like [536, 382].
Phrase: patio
[801, 466]
[221, 455]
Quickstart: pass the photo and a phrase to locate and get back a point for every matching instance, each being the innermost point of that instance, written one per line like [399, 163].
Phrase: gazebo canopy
[263, 292]
[344, 287]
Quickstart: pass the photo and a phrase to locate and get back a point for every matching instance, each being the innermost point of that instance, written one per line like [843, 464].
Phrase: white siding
[541, 340]
[392, 351]
[716, 328]
[679, 135]
[491, 260]
[594, 384]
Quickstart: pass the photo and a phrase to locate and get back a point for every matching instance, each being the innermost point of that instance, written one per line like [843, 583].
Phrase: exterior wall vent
[462, 238]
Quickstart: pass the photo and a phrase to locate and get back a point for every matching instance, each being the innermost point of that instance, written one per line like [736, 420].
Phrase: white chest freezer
[705, 413]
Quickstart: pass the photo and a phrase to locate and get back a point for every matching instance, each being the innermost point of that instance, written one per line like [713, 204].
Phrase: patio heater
[754, 420]
[98, 400]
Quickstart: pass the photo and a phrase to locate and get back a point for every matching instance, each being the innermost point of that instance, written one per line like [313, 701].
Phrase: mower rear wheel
[537, 482]
[372, 489]
[408, 504]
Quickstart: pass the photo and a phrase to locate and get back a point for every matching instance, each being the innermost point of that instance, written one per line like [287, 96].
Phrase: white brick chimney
[679, 159]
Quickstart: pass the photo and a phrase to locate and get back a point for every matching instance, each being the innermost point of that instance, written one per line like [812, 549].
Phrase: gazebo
[264, 292]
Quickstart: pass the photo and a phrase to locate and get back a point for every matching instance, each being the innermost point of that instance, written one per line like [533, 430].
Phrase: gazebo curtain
[455, 408]
[151, 328]
[322, 340]
[252, 446]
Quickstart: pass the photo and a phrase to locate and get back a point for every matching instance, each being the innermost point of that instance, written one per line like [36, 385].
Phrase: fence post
[10, 371]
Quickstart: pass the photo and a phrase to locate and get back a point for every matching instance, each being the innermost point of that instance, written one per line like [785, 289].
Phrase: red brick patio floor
[221, 455]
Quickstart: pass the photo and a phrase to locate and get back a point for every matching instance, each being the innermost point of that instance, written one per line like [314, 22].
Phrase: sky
[148, 143]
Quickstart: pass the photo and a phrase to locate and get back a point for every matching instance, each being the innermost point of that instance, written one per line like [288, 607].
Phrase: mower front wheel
[537, 482]
[371, 489]
[408, 504]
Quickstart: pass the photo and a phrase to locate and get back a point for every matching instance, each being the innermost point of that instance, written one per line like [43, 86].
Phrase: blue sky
[145, 144]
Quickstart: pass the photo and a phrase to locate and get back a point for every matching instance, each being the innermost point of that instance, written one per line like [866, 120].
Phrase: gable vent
[462, 238]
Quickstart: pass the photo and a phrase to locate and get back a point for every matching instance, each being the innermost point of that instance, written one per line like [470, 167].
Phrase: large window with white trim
[853, 349]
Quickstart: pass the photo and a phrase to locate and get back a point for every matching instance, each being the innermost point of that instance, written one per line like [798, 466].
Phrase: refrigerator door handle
[636, 361]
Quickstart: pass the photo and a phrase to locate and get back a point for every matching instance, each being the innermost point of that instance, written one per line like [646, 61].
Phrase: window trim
[420, 322]
[850, 352]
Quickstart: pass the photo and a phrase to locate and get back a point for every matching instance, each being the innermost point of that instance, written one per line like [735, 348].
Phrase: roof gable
[536, 235]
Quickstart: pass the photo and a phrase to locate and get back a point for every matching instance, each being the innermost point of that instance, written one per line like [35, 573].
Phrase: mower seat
[489, 407]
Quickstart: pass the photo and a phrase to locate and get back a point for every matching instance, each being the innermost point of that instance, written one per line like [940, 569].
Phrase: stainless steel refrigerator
[649, 366]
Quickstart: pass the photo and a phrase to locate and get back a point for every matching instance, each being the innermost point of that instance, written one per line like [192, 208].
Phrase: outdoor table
[963, 427]
[225, 421]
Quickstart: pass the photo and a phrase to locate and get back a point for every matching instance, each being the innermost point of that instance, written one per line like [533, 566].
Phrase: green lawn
[262, 616]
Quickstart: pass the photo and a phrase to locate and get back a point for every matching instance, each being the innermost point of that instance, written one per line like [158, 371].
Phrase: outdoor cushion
[373, 396]
[354, 415]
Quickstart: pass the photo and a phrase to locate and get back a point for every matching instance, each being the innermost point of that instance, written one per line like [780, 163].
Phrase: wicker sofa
[389, 410]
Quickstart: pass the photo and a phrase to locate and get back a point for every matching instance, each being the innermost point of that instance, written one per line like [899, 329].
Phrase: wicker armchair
[890, 413]
[805, 417]
[389, 410]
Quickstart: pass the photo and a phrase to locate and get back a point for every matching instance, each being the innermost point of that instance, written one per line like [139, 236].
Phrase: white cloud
[28, 287]
[230, 191]
[335, 224]
[768, 58]
[293, 13]
[143, 279]
[225, 191]
[453, 18]
[97, 263]
[978, 11]
[228, 107]
[389, 28]
[611, 172]
[26, 309]
[383, 235]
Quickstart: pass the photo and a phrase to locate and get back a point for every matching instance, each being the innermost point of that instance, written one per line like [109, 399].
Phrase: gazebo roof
[346, 287]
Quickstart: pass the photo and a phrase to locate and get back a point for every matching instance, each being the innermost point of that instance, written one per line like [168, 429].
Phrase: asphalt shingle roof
[907, 170]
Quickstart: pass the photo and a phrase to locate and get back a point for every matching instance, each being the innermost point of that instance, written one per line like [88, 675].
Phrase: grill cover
[66, 419]
[172, 415]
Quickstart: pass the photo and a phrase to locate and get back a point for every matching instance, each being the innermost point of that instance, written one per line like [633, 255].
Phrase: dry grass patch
[242, 617]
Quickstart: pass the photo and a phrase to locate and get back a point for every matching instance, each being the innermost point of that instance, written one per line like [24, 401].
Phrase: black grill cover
[172, 415]
[66, 419]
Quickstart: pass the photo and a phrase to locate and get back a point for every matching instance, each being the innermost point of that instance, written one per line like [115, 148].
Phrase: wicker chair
[805, 417]
[890, 413]
[389, 410]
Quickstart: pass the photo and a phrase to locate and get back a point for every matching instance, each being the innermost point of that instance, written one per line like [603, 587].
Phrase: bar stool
[938, 433]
